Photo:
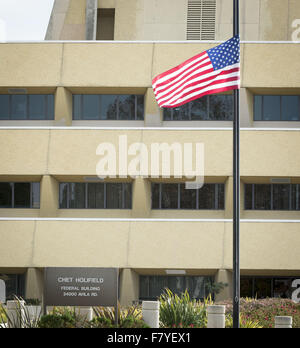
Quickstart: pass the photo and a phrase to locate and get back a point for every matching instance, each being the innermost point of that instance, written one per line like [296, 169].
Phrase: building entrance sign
[81, 287]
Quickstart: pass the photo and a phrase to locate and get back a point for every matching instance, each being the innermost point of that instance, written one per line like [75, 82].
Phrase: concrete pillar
[91, 19]
[49, 196]
[283, 322]
[150, 313]
[229, 198]
[63, 107]
[224, 276]
[246, 110]
[141, 198]
[34, 284]
[15, 313]
[129, 287]
[216, 317]
[153, 114]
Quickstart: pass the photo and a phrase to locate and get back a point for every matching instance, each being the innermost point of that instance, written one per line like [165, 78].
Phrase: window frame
[208, 97]
[271, 198]
[86, 200]
[46, 107]
[216, 197]
[281, 112]
[31, 195]
[81, 96]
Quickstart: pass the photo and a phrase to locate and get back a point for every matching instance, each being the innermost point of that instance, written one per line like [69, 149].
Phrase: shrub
[130, 317]
[22, 318]
[264, 311]
[32, 302]
[64, 318]
[181, 312]
[3, 318]
[245, 323]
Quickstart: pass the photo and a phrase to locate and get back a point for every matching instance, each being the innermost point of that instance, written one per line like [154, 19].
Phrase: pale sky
[24, 20]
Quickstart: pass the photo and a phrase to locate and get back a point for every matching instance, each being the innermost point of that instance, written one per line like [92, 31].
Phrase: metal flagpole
[236, 187]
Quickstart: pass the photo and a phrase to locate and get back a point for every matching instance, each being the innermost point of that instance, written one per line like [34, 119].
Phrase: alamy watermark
[296, 32]
[157, 160]
[296, 293]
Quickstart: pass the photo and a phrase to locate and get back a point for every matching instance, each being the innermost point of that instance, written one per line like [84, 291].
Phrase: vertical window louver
[201, 20]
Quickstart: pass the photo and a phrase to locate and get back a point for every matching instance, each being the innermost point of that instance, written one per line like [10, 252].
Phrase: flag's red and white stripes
[193, 79]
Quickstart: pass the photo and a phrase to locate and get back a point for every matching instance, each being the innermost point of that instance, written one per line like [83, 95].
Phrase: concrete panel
[24, 152]
[81, 244]
[16, 243]
[86, 64]
[30, 64]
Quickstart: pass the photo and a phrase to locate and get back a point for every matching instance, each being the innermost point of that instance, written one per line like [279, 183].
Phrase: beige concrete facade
[142, 241]
[166, 20]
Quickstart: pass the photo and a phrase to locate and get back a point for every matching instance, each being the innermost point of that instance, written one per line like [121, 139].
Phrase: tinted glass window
[14, 285]
[281, 197]
[259, 287]
[174, 196]
[263, 288]
[295, 200]
[199, 109]
[248, 197]
[22, 195]
[91, 107]
[207, 197]
[221, 107]
[181, 113]
[27, 107]
[290, 108]
[272, 197]
[19, 107]
[77, 102]
[77, 196]
[50, 107]
[127, 107]
[4, 107]
[35, 195]
[96, 196]
[188, 198]
[5, 195]
[114, 196]
[262, 197]
[37, 107]
[152, 287]
[63, 196]
[271, 108]
[155, 196]
[276, 108]
[127, 196]
[140, 107]
[169, 196]
[258, 100]
[213, 108]
[108, 107]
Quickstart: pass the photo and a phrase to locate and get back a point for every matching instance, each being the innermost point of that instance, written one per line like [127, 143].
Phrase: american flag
[213, 71]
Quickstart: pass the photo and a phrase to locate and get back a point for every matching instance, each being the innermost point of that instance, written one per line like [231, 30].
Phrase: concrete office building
[60, 99]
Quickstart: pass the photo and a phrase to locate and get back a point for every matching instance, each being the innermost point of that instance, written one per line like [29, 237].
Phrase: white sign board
[2, 291]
